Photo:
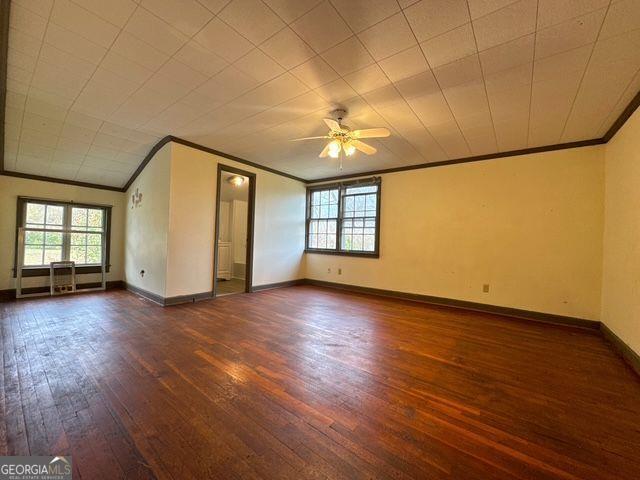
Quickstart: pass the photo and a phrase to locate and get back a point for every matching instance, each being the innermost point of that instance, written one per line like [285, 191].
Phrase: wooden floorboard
[310, 382]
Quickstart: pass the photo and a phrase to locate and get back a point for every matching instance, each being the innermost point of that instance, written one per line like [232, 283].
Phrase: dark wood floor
[306, 382]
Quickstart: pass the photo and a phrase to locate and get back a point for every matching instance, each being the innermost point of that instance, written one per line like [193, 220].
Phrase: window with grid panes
[343, 218]
[83, 245]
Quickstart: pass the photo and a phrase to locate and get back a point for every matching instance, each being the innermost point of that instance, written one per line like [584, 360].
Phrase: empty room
[320, 239]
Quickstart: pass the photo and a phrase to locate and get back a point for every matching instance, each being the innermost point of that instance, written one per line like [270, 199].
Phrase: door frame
[251, 201]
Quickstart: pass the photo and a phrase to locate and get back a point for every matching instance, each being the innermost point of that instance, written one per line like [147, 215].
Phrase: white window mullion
[66, 237]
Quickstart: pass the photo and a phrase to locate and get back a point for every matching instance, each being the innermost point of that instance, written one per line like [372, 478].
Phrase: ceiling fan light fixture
[237, 180]
[349, 149]
[334, 149]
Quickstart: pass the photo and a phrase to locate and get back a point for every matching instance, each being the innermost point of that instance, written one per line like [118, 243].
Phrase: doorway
[233, 255]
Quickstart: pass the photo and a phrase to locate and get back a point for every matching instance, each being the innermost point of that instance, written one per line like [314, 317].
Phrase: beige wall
[11, 188]
[621, 259]
[147, 226]
[529, 226]
[278, 228]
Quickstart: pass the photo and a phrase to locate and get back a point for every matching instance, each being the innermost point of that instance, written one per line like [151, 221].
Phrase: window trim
[341, 186]
[37, 271]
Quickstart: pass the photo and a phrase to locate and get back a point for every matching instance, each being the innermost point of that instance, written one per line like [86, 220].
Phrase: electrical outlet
[339, 271]
[328, 270]
[485, 288]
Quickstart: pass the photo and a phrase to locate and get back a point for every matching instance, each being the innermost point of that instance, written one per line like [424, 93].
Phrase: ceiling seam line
[584, 73]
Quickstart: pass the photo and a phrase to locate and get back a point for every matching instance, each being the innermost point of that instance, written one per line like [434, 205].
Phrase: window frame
[342, 186]
[39, 271]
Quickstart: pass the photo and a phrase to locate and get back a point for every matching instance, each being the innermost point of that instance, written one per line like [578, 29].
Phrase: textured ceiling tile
[214, 6]
[222, 40]
[602, 86]
[510, 103]
[187, 16]
[322, 27]
[114, 11]
[431, 109]
[429, 18]
[630, 92]
[21, 61]
[74, 44]
[506, 24]
[138, 51]
[552, 12]
[259, 65]
[480, 8]
[56, 57]
[621, 48]
[336, 91]
[105, 140]
[27, 22]
[287, 49]
[200, 59]
[450, 46]
[79, 119]
[86, 24]
[104, 80]
[385, 98]
[22, 43]
[79, 107]
[468, 99]
[459, 72]
[172, 118]
[623, 16]
[405, 64]
[559, 65]
[116, 63]
[155, 31]
[252, 19]
[315, 72]
[388, 37]
[228, 84]
[361, 14]
[348, 56]
[568, 35]
[550, 106]
[511, 78]
[508, 55]
[420, 84]
[368, 79]
[182, 74]
[42, 7]
[290, 10]
[37, 137]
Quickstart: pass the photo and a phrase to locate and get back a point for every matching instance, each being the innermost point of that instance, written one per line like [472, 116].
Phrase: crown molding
[63, 181]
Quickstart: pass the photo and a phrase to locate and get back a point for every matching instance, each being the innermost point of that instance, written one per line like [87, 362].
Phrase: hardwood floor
[306, 382]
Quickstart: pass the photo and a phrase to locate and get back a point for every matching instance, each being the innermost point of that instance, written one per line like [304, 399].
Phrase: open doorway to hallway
[234, 231]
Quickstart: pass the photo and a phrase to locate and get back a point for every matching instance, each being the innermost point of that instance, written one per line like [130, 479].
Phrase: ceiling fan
[342, 138]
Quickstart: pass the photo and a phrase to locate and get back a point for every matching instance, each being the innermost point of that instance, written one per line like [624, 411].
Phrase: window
[343, 218]
[48, 242]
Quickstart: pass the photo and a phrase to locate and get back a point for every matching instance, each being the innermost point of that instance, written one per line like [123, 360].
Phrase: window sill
[344, 254]
[44, 271]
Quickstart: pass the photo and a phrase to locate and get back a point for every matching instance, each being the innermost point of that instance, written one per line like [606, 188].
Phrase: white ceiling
[94, 84]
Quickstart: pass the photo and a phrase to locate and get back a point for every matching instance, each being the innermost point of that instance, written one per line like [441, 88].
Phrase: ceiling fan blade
[332, 124]
[371, 133]
[363, 147]
[308, 138]
[325, 151]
